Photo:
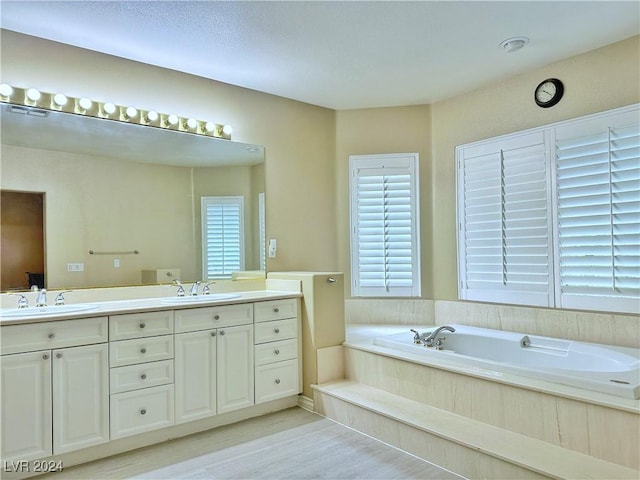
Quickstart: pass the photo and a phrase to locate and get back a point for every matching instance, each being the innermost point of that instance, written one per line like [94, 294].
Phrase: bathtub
[606, 369]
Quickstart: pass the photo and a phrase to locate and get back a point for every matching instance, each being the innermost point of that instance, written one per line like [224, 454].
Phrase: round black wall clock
[549, 92]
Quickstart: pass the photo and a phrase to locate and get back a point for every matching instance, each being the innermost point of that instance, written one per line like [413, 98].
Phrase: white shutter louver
[598, 205]
[504, 213]
[222, 239]
[384, 226]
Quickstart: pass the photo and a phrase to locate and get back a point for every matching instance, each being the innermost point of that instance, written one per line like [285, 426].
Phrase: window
[551, 216]
[222, 239]
[385, 258]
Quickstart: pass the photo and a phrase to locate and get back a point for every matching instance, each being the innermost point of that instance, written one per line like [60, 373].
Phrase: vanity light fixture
[60, 100]
[514, 44]
[108, 109]
[152, 116]
[6, 90]
[130, 113]
[19, 97]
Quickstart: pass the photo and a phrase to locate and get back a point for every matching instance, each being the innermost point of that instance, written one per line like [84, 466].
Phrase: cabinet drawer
[277, 330]
[277, 380]
[140, 350]
[143, 375]
[276, 351]
[136, 325]
[275, 310]
[49, 335]
[141, 411]
[192, 319]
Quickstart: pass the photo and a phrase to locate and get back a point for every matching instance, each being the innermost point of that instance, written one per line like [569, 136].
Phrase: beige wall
[299, 138]
[596, 81]
[307, 147]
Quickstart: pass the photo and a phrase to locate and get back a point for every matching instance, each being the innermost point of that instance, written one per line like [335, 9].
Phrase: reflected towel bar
[123, 252]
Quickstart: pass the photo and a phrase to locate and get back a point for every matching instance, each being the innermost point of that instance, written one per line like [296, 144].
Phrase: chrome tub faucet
[433, 339]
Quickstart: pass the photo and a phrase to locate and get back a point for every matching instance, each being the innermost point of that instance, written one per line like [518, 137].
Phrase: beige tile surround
[592, 327]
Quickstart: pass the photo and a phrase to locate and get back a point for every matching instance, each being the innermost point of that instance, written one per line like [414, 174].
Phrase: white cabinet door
[195, 378]
[26, 405]
[235, 368]
[80, 397]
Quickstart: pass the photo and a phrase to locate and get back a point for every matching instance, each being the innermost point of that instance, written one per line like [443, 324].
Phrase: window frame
[396, 164]
[615, 302]
[220, 200]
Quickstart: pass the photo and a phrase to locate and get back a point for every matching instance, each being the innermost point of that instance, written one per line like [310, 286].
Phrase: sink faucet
[42, 298]
[60, 297]
[194, 288]
[206, 290]
[429, 341]
[180, 292]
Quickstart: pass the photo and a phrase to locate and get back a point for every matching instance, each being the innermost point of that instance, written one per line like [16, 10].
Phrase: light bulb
[59, 99]
[210, 127]
[33, 94]
[6, 90]
[85, 103]
[152, 116]
[109, 108]
[227, 129]
[130, 112]
[191, 123]
[172, 119]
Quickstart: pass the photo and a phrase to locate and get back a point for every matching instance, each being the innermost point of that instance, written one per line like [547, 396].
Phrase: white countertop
[11, 316]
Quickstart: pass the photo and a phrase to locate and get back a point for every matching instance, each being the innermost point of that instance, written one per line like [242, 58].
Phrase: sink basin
[44, 311]
[200, 298]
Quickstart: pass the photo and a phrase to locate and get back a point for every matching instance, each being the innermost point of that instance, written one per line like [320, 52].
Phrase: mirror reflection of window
[222, 237]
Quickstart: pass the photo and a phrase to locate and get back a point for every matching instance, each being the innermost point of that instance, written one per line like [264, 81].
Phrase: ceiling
[335, 54]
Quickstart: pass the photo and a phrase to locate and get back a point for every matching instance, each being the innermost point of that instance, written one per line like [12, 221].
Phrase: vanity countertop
[13, 316]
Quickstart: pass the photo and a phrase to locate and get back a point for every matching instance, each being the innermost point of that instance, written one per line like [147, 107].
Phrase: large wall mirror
[106, 200]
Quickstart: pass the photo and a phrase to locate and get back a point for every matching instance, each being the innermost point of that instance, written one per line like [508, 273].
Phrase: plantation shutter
[598, 209]
[505, 221]
[222, 239]
[384, 222]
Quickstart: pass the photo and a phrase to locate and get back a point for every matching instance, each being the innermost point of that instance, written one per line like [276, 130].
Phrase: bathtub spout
[430, 340]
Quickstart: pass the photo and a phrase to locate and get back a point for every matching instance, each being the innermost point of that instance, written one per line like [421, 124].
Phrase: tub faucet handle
[417, 337]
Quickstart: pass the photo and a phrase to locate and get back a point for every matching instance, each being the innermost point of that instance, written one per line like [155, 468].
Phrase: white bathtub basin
[603, 368]
[213, 297]
[46, 311]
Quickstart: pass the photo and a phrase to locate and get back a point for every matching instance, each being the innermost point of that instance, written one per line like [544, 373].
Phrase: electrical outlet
[75, 267]
[116, 263]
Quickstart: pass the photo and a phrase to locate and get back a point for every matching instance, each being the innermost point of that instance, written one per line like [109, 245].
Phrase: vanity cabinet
[54, 399]
[214, 366]
[141, 354]
[277, 350]
[72, 384]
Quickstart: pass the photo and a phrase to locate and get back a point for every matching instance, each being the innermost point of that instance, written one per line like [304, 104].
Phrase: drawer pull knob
[142, 325]
[143, 411]
[213, 334]
[277, 381]
[143, 350]
[59, 355]
[45, 356]
[276, 310]
[221, 332]
[216, 317]
[276, 330]
[51, 335]
[143, 376]
[277, 352]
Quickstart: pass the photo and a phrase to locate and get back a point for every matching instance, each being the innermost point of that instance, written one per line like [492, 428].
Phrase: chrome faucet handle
[42, 298]
[416, 337]
[206, 290]
[60, 297]
[180, 292]
[23, 302]
[194, 288]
